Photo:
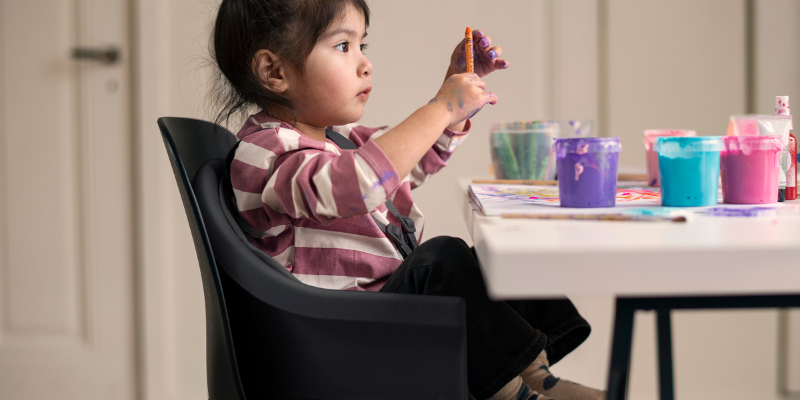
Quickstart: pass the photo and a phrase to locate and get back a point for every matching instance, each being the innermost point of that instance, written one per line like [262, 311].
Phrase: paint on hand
[461, 62]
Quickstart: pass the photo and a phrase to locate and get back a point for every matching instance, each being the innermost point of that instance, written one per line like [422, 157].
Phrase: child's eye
[364, 47]
[343, 47]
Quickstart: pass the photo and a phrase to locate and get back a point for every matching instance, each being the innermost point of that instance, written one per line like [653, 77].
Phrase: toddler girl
[317, 203]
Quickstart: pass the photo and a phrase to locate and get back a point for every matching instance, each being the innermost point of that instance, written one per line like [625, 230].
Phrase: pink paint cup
[749, 166]
[650, 137]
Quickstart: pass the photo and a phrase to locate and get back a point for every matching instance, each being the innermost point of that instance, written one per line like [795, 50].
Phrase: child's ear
[270, 71]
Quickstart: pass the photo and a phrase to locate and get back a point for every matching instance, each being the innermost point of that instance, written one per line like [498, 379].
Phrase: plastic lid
[748, 143]
[587, 145]
[679, 144]
[782, 105]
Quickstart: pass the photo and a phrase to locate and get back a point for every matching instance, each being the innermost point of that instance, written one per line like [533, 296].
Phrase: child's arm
[460, 97]
[432, 162]
[436, 157]
[288, 175]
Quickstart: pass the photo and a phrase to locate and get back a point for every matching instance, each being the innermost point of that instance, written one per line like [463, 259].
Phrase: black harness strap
[403, 237]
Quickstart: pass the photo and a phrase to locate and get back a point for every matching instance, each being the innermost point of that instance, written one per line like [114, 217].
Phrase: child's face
[338, 77]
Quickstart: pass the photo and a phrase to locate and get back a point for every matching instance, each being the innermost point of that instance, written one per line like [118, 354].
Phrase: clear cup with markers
[587, 171]
[523, 150]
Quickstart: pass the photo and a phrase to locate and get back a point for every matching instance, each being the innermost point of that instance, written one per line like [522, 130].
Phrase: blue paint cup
[689, 170]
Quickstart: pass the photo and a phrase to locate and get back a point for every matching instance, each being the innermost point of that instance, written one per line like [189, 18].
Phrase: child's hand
[463, 95]
[486, 58]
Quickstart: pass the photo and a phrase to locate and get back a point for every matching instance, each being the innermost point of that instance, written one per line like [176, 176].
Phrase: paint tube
[743, 125]
[778, 125]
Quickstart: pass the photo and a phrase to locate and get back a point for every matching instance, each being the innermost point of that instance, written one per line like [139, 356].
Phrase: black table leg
[665, 379]
[621, 350]
[623, 331]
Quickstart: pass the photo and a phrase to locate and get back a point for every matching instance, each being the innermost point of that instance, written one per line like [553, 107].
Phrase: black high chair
[269, 336]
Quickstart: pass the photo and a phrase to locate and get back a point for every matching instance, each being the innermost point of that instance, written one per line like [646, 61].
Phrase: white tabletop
[704, 256]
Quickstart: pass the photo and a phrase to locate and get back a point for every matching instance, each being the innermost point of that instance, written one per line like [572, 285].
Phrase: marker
[468, 50]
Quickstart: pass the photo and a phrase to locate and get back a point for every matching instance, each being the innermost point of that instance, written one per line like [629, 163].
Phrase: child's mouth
[364, 94]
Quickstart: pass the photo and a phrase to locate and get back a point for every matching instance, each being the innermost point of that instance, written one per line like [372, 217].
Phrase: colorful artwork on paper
[549, 194]
[634, 200]
[500, 199]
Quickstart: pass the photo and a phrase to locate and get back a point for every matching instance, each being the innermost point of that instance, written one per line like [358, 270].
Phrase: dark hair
[288, 28]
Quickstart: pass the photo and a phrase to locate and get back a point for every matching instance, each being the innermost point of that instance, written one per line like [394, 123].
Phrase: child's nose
[366, 68]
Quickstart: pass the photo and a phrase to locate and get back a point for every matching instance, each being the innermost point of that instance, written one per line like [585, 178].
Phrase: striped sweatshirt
[312, 203]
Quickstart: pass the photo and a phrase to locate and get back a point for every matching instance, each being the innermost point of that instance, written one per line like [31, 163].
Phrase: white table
[708, 262]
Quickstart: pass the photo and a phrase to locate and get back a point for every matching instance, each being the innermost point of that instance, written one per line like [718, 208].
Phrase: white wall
[630, 64]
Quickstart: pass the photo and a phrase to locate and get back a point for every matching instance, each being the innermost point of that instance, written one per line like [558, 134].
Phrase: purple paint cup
[587, 171]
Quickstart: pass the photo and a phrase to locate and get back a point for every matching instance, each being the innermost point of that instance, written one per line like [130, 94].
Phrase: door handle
[108, 55]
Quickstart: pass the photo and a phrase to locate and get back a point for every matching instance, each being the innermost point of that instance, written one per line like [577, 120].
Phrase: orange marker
[468, 50]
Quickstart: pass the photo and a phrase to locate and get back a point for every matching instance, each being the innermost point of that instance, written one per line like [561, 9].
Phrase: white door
[66, 267]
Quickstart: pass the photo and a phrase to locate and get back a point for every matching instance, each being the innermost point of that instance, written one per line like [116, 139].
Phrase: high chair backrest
[190, 143]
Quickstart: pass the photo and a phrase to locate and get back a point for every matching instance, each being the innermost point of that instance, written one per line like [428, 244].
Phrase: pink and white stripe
[317, 226]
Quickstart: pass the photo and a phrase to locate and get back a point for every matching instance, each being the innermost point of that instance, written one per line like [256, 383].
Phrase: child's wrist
[439, 113]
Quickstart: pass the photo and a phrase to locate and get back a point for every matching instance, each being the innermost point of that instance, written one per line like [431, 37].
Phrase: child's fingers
[488, 98]
[492, 52]
[499, 63]
[485, 41]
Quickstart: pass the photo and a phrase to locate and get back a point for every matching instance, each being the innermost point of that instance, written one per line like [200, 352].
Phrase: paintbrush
[598, 217]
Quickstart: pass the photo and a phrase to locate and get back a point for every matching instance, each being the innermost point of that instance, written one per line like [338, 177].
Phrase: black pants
[503, 337]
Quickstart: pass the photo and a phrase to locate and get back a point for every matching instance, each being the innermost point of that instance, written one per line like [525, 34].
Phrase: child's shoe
[539, 378]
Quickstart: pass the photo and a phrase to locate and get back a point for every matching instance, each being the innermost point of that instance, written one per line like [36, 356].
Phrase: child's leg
[539, 378]
[500, 344]
[559, 320]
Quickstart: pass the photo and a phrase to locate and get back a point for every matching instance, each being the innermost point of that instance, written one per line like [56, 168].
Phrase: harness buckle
[408, 223]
